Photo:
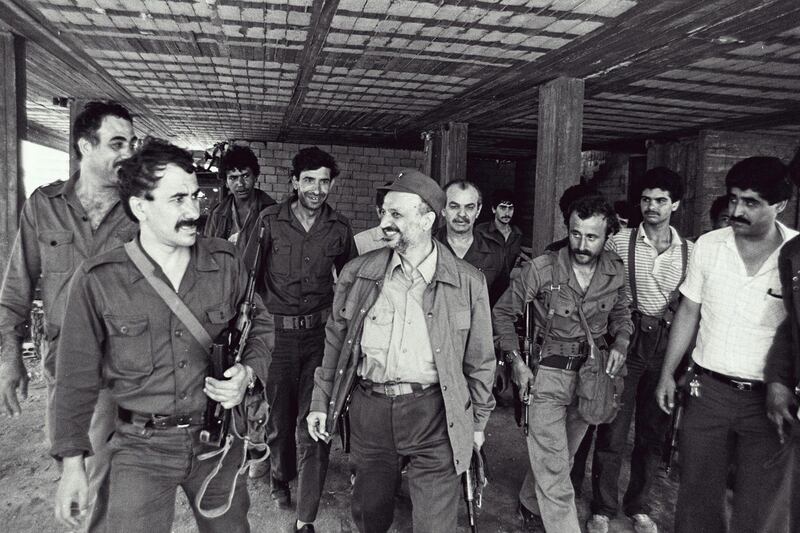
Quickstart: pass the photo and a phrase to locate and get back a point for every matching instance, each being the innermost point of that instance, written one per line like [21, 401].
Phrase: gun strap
[632, 267]
[169, 296]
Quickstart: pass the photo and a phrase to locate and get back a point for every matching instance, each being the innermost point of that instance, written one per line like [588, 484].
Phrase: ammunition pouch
[650, 335]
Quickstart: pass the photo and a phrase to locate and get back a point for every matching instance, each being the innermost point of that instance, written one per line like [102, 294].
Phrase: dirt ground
[28, 478]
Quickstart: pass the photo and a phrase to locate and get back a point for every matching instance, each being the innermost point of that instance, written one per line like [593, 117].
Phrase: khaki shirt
[605, 303]
[395, 342]
[297, 265]
[54, 237]
[119, 331]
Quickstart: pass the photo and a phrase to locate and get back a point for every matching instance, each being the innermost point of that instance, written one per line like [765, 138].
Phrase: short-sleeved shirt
[54, 236]
[738, 313]
[395, 340]
[657, 275]
[297, 265]
[118, 330]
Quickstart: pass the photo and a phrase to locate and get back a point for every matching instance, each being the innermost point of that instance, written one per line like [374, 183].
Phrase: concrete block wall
[362, 169]
[704, 161]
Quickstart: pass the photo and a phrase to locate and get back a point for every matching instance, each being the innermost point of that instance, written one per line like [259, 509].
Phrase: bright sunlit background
[42, 165]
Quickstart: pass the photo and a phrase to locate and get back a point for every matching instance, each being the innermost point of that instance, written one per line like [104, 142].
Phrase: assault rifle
[527, 347]
[226, 351]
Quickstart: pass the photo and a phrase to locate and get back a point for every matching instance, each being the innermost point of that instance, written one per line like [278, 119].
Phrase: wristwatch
[509, 357]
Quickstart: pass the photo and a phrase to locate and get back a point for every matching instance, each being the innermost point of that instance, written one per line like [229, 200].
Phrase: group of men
[388, 336]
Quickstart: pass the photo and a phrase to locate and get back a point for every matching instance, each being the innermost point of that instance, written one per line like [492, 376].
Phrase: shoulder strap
[169, 296]
[632, 268]
[555, 289]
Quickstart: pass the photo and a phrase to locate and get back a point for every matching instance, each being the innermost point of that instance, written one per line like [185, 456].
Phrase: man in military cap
[410, 339]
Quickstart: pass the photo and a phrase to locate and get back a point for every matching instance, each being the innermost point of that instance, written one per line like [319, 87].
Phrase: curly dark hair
[239, 158]
[312, 159]
[767, 176]
[91, 117]
[589, 206]
[664, 179]
[139, 173]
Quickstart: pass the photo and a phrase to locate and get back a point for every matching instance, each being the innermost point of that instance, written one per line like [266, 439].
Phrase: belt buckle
[183, 421]
[391, 389]
[301, 322]
[742, 385]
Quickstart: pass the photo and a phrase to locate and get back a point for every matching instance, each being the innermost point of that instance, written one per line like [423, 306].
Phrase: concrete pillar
[558, 155]
[12, 131]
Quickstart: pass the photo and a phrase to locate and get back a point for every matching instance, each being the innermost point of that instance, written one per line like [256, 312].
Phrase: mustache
[461, 220]
[188, 223]
[740, 220]
[583, 252]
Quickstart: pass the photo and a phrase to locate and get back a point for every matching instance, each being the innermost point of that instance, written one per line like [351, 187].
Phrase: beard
[395, 239]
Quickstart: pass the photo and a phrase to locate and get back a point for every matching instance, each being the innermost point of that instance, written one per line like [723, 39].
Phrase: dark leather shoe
[280, 494]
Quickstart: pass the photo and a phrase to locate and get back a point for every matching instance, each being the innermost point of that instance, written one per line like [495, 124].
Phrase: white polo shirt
[738, 313]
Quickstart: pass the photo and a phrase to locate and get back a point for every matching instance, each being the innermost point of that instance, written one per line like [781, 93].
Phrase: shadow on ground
[28, 480]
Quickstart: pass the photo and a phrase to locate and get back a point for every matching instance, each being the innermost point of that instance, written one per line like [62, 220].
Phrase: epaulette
[216, 245]
[546, 260]
[52, 189]
[115, 255]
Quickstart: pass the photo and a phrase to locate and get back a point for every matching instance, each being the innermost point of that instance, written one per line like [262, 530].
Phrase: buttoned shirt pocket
[130, 348]
[597, 312]
[377, 334]
[281, 258]
[219, 317]
[57, 251]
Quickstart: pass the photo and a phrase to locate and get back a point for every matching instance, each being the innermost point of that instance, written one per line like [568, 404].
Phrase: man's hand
[779, 402]
[229, 392]
[616, 359]
[13, 376]
[71, 495]
[523, 378]
[665, 393]
[478, 438]
[316, 421]
[501, 378]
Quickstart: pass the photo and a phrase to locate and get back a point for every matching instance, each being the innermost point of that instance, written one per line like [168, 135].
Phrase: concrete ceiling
[380, 72]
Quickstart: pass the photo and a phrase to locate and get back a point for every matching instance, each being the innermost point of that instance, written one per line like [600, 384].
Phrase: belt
[568, 348]
[302, 321]
[160, 421]
[564, 363]
[736, 383]
[392, 389]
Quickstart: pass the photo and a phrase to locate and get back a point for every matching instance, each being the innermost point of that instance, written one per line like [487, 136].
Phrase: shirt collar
[642, 236]
[427, 268]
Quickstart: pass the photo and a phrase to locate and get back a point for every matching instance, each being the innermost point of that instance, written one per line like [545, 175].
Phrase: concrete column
[558, 155]
[12, 131]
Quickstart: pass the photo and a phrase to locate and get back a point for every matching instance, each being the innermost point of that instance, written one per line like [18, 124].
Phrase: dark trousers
[290, 382]
[794, 526]
[413, 427]
[726, 426]
[148, 466]
[652, 425]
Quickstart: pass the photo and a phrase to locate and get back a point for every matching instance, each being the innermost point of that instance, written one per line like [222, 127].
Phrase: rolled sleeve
[511, 305]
